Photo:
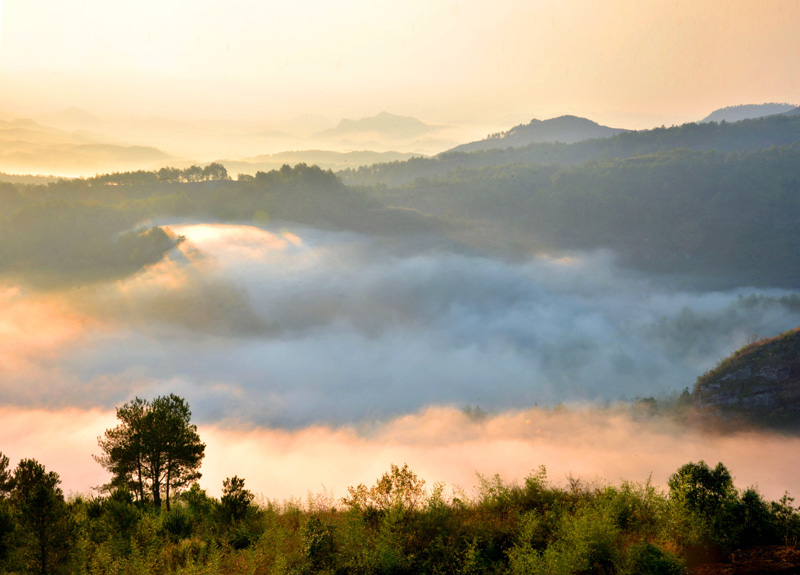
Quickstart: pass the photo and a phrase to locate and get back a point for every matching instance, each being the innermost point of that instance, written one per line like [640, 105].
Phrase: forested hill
[779, 130]
[757, 385]
[72, 232]
[723, 219]
[714, 203]
[565, 129]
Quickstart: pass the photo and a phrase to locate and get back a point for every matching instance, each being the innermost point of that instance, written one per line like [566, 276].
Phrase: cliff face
[759, 384]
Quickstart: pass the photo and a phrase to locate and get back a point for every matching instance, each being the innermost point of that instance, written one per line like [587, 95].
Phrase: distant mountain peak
[70, 117]
[383, 123]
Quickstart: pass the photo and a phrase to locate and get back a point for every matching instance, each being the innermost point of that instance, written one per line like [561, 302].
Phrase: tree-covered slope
[77, 231]
[728, 219]
[779, 130]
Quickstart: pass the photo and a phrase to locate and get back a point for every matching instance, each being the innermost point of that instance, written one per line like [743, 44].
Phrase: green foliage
[56, 242]
[199, 505]
[120, 513]
[213, 171]
[393, 527]
[715, 201]
[707, 497]
[177, 523]
[635, 507]
[755, 522]
[318, 545]
[44, 530]
[647, 559]
[587, 541]
[724, 138]
[236, 500]
[6, 479]
[727, 216]
[7, 525]
[714, 515]
[398, 489]
[702, 490]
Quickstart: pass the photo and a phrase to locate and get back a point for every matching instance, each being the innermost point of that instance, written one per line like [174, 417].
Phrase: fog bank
[296, 327]
[439, 444]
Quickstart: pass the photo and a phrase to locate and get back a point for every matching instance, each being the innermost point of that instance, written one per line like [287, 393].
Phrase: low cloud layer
[296, 327]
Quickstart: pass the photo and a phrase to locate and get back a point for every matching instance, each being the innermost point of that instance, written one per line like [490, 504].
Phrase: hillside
[746, 112]
[725, 219]
[759, 384]
[74, 232]
[564, 129]
[777, 130]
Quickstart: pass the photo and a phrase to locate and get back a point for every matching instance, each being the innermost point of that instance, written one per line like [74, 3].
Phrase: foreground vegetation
[394, 526]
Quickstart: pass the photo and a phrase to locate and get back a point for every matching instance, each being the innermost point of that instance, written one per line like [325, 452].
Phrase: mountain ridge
[565, 129]
[384, 123]
[748, 112]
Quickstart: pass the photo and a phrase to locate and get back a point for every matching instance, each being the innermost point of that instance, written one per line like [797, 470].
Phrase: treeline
[194, 173]
[395, 526]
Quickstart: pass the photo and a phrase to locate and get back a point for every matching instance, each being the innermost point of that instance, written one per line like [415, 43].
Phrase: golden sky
[626, 63]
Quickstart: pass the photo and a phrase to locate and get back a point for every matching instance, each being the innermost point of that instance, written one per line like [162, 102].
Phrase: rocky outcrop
[759, 384]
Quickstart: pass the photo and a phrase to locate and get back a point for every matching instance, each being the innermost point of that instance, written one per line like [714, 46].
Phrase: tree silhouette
[45, 526]
[155, 448]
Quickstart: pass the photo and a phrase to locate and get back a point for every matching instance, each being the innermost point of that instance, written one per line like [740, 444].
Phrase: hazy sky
[623, 62]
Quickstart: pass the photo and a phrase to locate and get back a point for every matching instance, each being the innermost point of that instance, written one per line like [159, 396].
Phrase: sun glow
[34, 329]
[240, 241]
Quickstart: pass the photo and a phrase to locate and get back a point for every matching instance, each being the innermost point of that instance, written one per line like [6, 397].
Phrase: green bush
[647, 559]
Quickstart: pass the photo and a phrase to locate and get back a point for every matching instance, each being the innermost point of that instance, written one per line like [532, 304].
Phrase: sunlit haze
[623, 63]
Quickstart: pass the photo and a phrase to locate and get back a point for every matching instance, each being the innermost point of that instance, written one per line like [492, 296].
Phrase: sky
[623, 63]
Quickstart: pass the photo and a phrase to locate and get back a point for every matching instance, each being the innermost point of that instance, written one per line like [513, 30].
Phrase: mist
[290, 327]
